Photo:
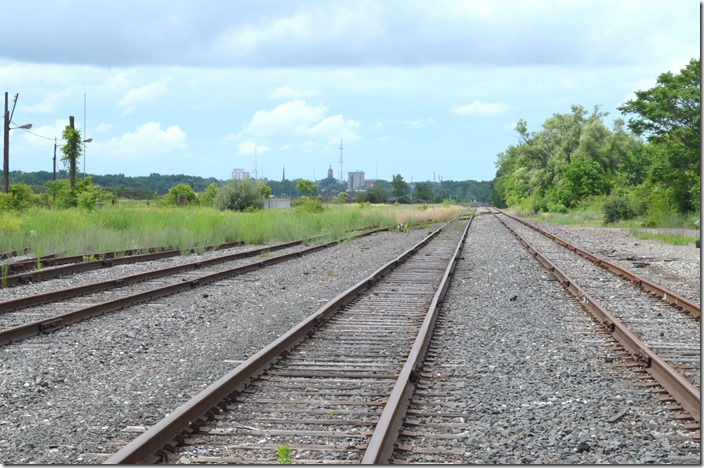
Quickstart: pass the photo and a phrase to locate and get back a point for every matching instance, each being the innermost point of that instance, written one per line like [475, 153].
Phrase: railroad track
[333, 388]
[26, 314]
[647, 321]
[508, 379]
[32, 270]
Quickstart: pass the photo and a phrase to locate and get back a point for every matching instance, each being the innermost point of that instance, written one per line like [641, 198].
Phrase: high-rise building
[355, 181]
[240, 174]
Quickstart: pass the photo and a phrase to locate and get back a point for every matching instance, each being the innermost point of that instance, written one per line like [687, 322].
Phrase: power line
[39, 136]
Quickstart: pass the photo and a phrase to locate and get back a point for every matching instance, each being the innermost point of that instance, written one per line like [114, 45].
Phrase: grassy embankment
[636, 227]
[78, 232]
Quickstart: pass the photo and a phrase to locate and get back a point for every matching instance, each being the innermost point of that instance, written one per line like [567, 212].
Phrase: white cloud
[296, 119]
[480, 108]
[102, 128]
[420, 123]
[287, 92]
[145, 142]
[248, 148]
[144, 93]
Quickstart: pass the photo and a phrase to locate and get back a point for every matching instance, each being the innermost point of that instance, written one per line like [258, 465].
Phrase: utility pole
[341, 179]
[54, 159]
[6, 150]
[255, 162]
[72, 157]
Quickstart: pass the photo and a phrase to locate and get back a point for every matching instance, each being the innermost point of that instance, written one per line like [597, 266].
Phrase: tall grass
[78, 232]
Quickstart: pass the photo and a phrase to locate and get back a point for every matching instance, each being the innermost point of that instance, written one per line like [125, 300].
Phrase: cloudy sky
[429, 90]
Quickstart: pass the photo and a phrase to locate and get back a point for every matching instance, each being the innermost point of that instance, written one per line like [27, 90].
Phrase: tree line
[94, 190]
[647, 166]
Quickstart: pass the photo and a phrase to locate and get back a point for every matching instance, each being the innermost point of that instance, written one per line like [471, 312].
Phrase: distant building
[330, 173]
[355, 181]
[240, 174]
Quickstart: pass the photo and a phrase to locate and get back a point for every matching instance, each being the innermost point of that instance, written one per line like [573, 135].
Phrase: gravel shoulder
[67, 395]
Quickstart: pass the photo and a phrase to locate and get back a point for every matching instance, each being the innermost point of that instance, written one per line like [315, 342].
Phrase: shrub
[617, 207]
[557, 208]
[239, 195]
[180, 195]
[207, 198]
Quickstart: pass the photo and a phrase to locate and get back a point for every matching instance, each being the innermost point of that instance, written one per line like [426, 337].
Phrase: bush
[180, 195]
[239, 195]
[617, 207]
[314, 205]
[557, 208]
[207, 198]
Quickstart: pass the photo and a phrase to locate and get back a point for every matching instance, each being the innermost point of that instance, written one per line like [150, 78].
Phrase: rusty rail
[683, 391]
[53, 323]
[665, 294]
[381, 444]
[82, 263]
[149, 446]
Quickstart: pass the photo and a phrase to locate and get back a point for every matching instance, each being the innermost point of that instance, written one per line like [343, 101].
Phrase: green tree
[180, 195]
[376, 195]
[399, 187]
[669, 116]
[239, 195]
[423, 192]
[264, 189]
[208, 196]
[306, 187]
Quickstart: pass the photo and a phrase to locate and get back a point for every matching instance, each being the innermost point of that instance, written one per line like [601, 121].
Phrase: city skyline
[425, 90]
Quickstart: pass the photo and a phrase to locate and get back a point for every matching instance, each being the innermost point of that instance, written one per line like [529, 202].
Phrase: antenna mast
[341, 179]
[255, 162]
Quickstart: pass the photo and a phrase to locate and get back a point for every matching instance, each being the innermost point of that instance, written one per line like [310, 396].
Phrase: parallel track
[660, 340]
[29, 315]
[334, 388]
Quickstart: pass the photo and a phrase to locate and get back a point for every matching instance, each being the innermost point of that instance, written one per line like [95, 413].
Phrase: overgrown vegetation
[78, 231]
[646, 169]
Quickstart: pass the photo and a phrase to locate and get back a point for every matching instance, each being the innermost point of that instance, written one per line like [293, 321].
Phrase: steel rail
[149, 446]
[138, 254]
[79, 263]
[684, 392]
[665, 294]
[53, 323]
[37, 299]
[381, 445]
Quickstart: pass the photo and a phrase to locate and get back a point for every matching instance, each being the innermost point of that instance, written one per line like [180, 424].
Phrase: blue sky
[427, 89]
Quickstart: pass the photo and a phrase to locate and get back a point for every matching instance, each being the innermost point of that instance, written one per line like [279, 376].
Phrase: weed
[283, 455]
[670, 239]
[73, 232]
[4, 271]
[332, 414]
[266, 253]
[89, 258]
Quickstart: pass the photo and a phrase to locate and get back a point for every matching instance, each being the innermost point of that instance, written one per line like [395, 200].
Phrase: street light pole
[6, 150]
[6, 144]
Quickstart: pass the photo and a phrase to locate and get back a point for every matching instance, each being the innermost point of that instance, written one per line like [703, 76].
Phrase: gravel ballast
[66, 395]
[541, 384]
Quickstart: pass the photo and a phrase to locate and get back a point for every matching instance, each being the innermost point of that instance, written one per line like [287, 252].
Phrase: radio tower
[255, 163]
[341, 179]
